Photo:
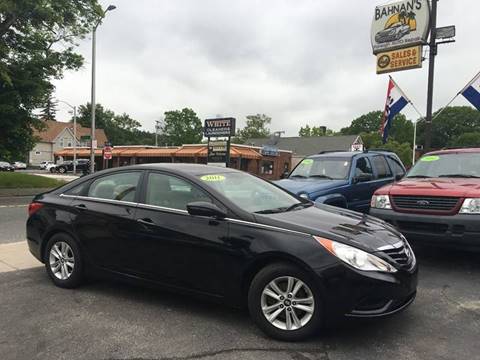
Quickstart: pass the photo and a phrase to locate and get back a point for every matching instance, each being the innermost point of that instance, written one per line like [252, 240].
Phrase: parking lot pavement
[107, 320]
[13, 214]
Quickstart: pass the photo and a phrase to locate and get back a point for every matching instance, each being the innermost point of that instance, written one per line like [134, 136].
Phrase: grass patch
[13, 180]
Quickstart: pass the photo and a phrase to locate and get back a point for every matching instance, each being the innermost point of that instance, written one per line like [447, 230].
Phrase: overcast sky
[298, 61]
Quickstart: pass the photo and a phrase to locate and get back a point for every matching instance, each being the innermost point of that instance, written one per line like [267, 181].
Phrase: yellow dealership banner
[397, 60]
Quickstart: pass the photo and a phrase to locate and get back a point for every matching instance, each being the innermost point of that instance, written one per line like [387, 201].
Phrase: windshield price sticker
[212, 178]
[430, 158]
[307, 162]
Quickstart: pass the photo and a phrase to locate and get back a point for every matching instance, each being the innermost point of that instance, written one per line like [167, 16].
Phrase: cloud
[299, 61]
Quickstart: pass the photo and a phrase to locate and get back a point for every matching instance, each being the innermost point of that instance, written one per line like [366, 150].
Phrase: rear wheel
[63, 261]
[285, 303]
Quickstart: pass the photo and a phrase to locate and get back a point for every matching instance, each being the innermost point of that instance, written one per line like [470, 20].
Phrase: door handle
[81, 207]
[146, 221]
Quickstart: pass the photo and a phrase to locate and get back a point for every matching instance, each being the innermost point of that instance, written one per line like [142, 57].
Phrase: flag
[471, 92]
[396, 101]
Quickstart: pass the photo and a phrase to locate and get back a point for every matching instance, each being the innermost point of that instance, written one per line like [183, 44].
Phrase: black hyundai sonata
[228, 235]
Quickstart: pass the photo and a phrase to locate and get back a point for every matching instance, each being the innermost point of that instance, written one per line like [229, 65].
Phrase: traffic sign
[107, 152]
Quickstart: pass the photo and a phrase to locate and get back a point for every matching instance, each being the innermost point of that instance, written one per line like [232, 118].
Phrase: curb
[22, 191]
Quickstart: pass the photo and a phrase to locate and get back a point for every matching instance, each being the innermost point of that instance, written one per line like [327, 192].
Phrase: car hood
[346, 226]
[457, 187]
[308, 186]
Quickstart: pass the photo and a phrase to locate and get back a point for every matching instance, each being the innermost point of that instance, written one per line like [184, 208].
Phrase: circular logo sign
[383, 61]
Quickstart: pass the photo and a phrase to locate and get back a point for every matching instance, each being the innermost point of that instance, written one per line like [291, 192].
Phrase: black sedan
[81, 166]
[227, 235]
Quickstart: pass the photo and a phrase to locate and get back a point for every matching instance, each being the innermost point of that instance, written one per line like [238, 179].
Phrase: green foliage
[36, 46]
[182, 127]
[315, 131]
[120, 129]
[50, 110]
[403, 150]
[256, 127]
[18, 180]
[450, 125]
[401, 130]
[471, 139]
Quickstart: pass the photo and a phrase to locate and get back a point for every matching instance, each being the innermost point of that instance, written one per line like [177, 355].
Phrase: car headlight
[357, 258]
[470, 206]
[380, 202]
[303, 195]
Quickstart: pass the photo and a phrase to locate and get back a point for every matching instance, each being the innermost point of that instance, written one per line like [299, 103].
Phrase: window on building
[38, 152]
[266, 168]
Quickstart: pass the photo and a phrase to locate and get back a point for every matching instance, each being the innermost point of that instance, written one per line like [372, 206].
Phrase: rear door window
[121, 186]
[396, 167]
[380, 164]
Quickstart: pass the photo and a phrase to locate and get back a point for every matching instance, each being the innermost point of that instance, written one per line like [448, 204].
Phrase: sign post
[107, 154]
[219, 149]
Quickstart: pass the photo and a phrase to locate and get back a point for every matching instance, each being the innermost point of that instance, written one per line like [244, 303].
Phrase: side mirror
[362, 178]
[399, 177]
[284, 175]
[203, 208]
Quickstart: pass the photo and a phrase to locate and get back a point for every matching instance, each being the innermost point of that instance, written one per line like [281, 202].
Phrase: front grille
[422, 227]
[436, 203]
[401, 255]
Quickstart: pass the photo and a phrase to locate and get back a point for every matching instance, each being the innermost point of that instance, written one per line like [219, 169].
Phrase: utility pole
[157, 122]
[92, 126]
[431, 72]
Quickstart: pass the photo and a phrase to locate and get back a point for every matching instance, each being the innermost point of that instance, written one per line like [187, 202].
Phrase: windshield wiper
[300, 176]
[419, 176]
[271, 211]
[459, 176]
[294, 206]
[321, 176]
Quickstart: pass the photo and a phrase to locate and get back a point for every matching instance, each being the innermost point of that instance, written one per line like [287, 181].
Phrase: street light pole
[92, 127]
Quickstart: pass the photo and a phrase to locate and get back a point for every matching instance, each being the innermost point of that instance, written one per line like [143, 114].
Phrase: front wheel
[63, 261]
[62, 170]
[285, 303]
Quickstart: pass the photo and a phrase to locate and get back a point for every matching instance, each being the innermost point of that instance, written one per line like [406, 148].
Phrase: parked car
[18, 165]
[438, 202]
[344, 179]
[50, 167]
[225, 234]
[43, 164]
[81, 165]
[5, 166]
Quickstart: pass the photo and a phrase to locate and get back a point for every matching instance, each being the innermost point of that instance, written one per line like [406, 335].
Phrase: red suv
[438, 201]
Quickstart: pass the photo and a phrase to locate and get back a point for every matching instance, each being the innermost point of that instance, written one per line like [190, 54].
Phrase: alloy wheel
[287, 303]
[62, 260]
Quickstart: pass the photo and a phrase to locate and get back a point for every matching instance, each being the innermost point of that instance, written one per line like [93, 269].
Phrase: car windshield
[322, 167]
[250, 193]
[465, 165]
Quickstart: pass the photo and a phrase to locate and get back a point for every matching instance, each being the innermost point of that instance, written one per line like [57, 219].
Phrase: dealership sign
[399, 25]
[219, 127]
[402, 59]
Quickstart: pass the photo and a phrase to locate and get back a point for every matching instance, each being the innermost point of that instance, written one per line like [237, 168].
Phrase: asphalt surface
[13, 214]
[108, 320]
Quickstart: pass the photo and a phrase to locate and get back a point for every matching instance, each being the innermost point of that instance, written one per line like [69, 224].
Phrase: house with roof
[58, 135]
[301, 146]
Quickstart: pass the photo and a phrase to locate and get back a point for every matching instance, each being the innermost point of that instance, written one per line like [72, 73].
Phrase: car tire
[63, 261]
[305, 323]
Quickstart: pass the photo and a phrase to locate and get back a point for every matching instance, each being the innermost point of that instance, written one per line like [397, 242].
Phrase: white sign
[357, 147]
[400, 24]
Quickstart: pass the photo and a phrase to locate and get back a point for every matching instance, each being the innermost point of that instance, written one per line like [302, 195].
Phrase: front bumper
[460, 231]
[352, 293]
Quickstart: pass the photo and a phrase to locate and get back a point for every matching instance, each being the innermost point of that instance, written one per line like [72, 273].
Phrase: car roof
[454, 151]
[190, 169]
[349, 154]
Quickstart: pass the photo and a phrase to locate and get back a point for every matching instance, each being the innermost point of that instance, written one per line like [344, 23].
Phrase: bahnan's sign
[399, 25]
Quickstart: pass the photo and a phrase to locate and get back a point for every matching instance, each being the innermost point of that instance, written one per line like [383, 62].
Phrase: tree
[403, 150]
[37, 41]
[50, 109]
[256, 127]
[182, 127]
[102, 116]
[471, 139]
[401, 130]
[305, 131]
[450, 125]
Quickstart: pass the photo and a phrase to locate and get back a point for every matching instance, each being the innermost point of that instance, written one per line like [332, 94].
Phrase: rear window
[383, 171]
